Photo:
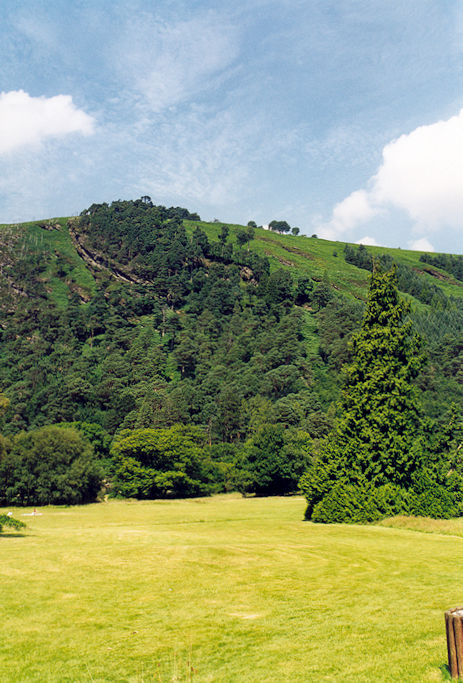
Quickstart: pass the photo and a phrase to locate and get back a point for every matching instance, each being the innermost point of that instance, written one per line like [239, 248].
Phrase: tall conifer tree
[375, 461]
[381, 424]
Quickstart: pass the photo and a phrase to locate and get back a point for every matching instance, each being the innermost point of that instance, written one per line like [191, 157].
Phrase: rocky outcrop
[97, 261]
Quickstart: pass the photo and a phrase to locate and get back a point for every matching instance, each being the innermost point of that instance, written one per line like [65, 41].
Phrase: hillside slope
[136, 315]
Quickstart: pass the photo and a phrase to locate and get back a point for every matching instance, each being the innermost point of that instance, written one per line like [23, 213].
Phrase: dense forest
[190, 357]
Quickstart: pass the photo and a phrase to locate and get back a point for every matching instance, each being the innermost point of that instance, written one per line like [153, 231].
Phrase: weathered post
[454, 629]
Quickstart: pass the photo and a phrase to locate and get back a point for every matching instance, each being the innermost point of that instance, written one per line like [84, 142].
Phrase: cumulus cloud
[421, 174]
[422, 244]
[352, 211]
[26, 120]
[368, 241]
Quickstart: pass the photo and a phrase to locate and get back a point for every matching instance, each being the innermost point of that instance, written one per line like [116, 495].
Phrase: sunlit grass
[223, 589]
[452, 527]
[314, 257]
[57, 244]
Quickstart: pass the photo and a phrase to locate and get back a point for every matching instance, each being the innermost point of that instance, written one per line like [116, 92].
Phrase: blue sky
[343, 117]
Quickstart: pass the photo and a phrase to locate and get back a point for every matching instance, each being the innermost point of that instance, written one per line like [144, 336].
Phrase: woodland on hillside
[181, 333]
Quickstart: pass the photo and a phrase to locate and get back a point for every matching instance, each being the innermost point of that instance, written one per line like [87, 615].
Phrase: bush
[362, 503]
[346, 503]
[432, 499]
[6, 520]
[48, 466]
[160, 463]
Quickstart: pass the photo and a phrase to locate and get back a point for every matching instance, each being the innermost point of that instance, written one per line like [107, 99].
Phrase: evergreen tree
[375, 461]
[380, 407]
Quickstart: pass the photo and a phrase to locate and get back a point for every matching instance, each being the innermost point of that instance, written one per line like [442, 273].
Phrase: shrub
[347, 503]
[362, 503]
[48, 466]
[6, 520]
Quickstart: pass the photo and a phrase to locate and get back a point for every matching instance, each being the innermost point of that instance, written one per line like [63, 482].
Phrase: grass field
[224, 589]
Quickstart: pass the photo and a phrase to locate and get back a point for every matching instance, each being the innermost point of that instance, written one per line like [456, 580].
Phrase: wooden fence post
[454, 629]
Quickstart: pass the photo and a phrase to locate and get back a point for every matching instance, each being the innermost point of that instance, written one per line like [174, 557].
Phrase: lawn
[224, 589]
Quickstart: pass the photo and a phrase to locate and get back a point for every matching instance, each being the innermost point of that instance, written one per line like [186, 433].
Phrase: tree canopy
[160, 463]
[50, 465]
[135, 316]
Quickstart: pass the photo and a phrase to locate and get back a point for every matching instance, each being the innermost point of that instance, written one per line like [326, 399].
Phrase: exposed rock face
[48, 225]
[97, 261]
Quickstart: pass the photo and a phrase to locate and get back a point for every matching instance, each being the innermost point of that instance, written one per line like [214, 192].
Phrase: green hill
[134, 315]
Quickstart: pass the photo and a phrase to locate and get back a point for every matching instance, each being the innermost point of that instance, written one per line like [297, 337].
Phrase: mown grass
[223, 589]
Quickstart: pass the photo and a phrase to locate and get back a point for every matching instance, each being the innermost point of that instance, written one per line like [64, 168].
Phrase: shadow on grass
[12, 534]
[445, 672]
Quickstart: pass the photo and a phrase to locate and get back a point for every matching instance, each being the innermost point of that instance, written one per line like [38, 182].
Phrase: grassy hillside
[66, 272]
[48, 241]
[315, 256]
[299, 254]
[224, 589]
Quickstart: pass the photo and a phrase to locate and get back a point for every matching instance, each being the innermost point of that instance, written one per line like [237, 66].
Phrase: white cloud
[368, 241]
[26, 120]
[421, 174]
[422, 244]
[352, 211]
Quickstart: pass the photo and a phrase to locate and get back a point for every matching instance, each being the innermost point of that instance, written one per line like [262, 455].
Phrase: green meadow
[224, 589]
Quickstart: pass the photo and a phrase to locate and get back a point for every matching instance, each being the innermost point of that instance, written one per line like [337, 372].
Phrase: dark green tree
[49, 466]
[241, 237]
[322, 293]
[375, 461]
[244, 236]
[160, 463]
[224, 230]
[272, 461]
[278, 288]
[303, 291]
[279, 226]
